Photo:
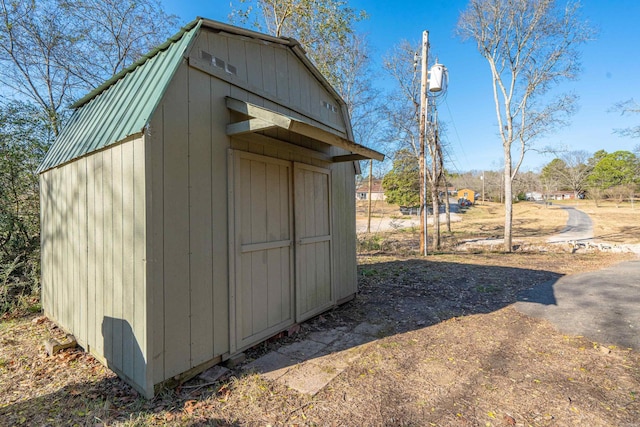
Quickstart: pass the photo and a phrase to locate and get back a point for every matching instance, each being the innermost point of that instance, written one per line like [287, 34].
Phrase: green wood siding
[94, 255]
[188, 219]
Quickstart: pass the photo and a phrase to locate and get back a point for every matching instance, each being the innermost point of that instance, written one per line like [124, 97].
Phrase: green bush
[23, 141]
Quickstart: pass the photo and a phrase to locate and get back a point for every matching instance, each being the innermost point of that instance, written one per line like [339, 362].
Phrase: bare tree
[353, 79]
[113, 34]
[527, 182]
[403, 103]
[629, 106]
[32, 40]
[569, 170]
[530, 45]
[435, 172]
[323, 27]
[52, 51]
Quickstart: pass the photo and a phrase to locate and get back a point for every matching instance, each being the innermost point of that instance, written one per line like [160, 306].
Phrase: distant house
[451, 191]
[561, 195]
[467, 194]
[377, 192]
[534, 196]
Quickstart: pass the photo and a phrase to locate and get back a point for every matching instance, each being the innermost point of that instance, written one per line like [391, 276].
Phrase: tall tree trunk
[446, 188]
[435, 202]
[369, 196]
[508, 201]
[423, 200]
[447, 207]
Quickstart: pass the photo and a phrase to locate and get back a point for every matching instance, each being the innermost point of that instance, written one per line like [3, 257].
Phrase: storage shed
[198, 203]
[467, 194]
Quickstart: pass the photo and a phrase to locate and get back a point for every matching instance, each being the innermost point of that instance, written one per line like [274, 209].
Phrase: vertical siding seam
[86, 235]
[189, 195]
[213, 242]
[164, 286]
[122, 261]
[109, 295]
[134, 338]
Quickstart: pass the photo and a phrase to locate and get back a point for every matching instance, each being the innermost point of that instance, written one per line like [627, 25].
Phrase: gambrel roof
[123, 106]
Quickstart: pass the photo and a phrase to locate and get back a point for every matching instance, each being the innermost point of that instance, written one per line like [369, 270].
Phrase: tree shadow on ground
[103, 402]
[398, 295]
[621, 235]
[415, 293]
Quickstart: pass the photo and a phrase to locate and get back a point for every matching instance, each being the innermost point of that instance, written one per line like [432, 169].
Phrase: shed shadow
[122, 351]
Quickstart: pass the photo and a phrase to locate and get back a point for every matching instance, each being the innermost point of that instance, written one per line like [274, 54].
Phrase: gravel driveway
[408, 221]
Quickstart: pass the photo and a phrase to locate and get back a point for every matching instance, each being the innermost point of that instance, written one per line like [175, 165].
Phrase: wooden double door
[280, 234]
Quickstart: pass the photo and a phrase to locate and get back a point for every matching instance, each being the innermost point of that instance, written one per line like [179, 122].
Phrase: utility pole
[422, 129]
[437, 83]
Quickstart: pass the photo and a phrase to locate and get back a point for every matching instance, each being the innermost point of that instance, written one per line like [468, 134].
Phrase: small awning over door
[261, 118]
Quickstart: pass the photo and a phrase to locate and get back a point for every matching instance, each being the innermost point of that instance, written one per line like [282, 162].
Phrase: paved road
[602, 305]
[579, 227]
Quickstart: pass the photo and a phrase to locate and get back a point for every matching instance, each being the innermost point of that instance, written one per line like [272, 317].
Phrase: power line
[455, 129]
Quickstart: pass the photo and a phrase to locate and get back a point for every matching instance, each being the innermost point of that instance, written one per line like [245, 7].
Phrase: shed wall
[187, 147]
[188, 268]
[93, 254]
[344, 224]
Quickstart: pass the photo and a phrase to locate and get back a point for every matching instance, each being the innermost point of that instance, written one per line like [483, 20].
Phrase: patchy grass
[453, 351]
[530, 221]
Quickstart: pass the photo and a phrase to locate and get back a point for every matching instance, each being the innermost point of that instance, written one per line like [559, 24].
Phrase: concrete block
[302, 350]
[214, 373]
[271, 366]
[235, 360]
[365, 328]
[326, 337]
[310, 377]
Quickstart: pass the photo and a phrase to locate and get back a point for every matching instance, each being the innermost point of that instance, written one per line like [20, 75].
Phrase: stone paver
[309, 365]
[325, 337]
[214, 373]
[309, 377]
[366, 328]
[302, 350]
[272, 365]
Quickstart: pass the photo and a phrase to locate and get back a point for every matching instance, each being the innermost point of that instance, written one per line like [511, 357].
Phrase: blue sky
[611, 73]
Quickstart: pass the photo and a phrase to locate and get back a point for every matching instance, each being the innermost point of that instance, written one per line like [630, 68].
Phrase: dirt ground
[453, 352]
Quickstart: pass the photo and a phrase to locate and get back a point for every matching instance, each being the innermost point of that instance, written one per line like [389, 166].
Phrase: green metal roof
[123, 105]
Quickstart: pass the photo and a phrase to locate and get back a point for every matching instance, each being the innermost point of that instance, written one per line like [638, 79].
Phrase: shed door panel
[314, 292]
[263, 247]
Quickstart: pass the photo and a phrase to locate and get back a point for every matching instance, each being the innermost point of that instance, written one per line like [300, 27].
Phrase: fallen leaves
[453, 342]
